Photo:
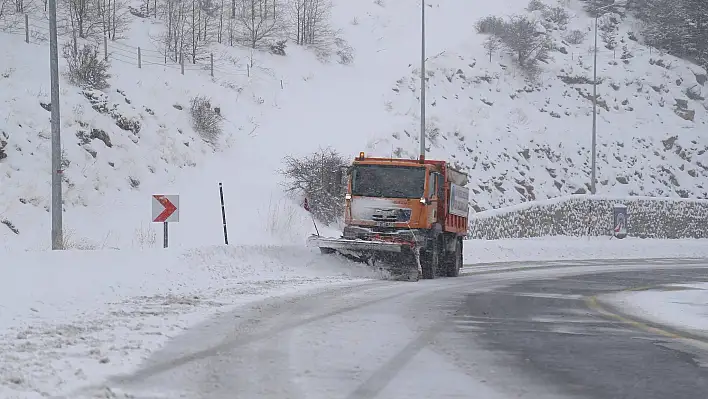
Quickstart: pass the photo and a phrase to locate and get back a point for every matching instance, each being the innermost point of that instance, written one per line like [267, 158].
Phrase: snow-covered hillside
[523, 139]
[519, 140]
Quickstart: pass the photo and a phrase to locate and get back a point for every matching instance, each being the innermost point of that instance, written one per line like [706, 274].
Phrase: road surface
[511, 334]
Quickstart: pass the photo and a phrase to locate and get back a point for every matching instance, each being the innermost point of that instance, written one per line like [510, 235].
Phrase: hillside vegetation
[145, 110]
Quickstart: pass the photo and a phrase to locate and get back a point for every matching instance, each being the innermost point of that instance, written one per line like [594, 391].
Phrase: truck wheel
[327, 251]
[430, 260]
[454, 264]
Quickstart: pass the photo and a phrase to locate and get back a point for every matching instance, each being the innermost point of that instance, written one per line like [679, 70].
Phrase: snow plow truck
[408, 215]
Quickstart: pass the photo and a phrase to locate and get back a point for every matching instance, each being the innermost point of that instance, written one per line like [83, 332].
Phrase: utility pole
[57, 235]
[422, 81]
[594, 110]
[593, 177]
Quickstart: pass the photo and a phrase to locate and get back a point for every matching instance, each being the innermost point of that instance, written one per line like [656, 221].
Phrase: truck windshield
[388, 181]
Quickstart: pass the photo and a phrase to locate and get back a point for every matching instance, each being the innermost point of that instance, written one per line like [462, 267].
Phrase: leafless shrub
[318, 177]
[278, 47]
[145, 237]
[70, 240]
[490, 25]
[536, 5]
[3, 143]
[205, 120]
[345, 52]
[86, 67]
[575, 36]
[557, 15]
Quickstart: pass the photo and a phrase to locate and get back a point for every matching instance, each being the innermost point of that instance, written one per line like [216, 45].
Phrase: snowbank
[680, 306]
[70, 318]
[582, 215]
[580, 248]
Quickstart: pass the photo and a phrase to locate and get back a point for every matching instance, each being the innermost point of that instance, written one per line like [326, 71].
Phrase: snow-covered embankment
[71, 318]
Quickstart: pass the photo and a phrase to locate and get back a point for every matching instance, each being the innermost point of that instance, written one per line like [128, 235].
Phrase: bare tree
[522, 38]
[492, 44]
[258, 21]
[5, 8]
[11, 13]
[310, 21]
[83, 17]
[220, 30]
[309, 25]
[176, 31]
[197, 24]
[20, 6]
[113, 16]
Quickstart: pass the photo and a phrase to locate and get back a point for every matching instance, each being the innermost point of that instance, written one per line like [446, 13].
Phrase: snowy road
[493, 335]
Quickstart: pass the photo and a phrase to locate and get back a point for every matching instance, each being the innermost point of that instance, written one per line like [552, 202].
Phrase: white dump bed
[459, 200]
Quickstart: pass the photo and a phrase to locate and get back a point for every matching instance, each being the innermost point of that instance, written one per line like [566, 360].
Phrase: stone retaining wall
[585, 215]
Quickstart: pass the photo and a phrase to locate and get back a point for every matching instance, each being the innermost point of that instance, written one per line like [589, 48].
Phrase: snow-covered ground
[69, 318]
[680, 306]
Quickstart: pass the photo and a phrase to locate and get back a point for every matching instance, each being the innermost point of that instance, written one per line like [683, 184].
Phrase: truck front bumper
[354, 244]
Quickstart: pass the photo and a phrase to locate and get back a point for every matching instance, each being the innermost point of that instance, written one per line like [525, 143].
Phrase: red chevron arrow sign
[165, 208]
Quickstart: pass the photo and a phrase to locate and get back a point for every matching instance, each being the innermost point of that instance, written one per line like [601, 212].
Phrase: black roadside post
[223, 214]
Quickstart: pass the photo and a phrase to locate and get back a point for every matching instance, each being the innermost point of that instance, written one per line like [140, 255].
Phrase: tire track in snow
[249, 338]
[380, 378]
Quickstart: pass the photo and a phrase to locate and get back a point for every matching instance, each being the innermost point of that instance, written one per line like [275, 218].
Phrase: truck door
[434, 195]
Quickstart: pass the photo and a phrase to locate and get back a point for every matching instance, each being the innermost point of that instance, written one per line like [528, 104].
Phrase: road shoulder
[672, 310]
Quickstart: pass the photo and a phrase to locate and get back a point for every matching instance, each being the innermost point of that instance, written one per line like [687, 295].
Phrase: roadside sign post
[619, 212]
[165, 209]
[223, 214]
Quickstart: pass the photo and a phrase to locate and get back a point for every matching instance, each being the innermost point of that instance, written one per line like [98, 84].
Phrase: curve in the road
[553, 331]
[490, 334]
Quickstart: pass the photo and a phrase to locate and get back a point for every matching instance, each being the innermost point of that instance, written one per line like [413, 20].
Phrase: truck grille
[391, 215]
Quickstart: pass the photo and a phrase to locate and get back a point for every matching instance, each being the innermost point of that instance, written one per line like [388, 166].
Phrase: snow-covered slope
[518, 139]
[524, 139]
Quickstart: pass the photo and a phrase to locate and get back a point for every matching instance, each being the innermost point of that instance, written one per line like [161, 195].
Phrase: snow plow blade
[353, 245]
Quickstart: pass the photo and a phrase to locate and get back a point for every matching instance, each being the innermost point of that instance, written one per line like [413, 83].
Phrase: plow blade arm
[353, 245]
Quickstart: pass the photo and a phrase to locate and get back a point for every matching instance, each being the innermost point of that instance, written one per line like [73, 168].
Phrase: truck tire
[454, 263]
[430, 260]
